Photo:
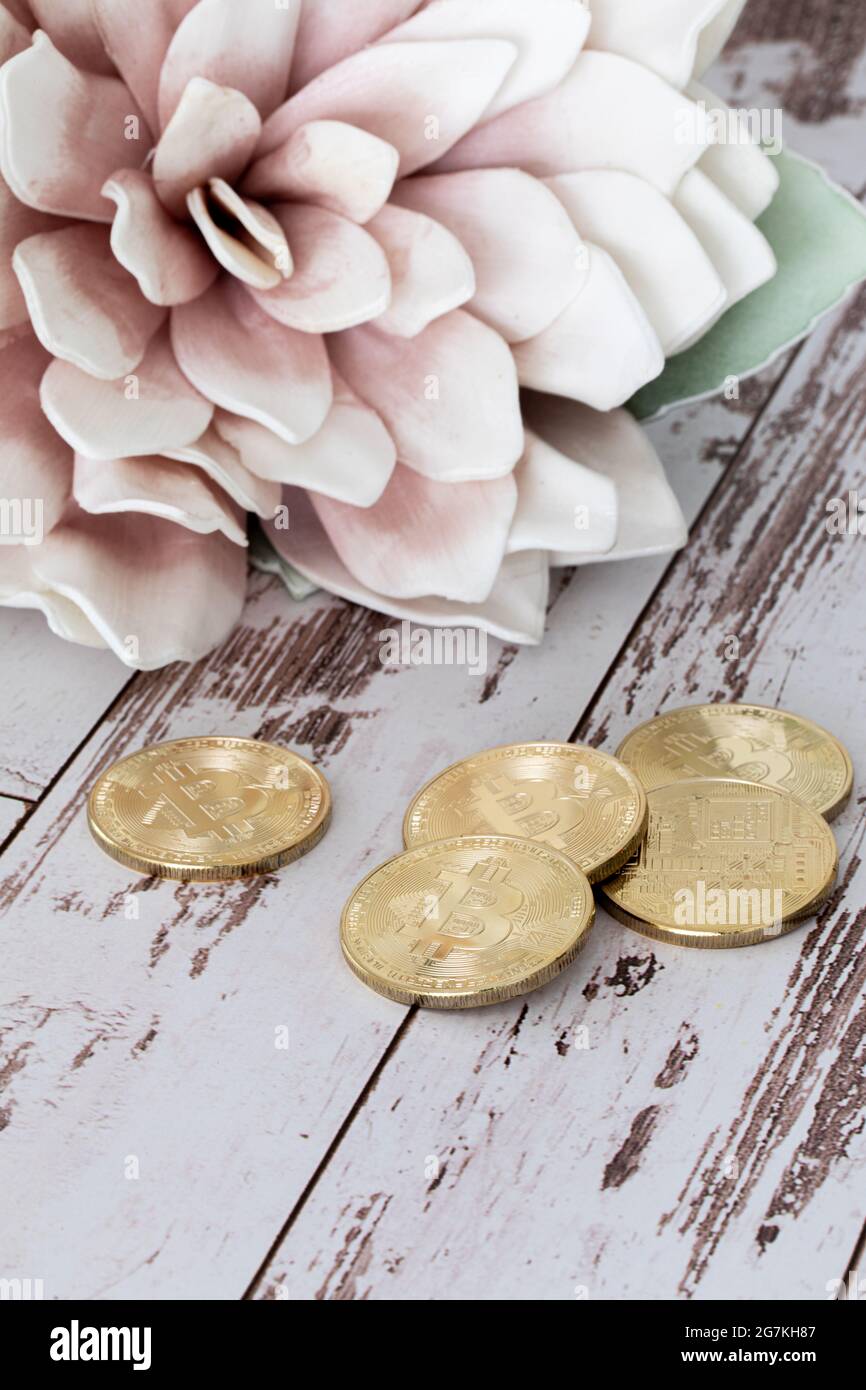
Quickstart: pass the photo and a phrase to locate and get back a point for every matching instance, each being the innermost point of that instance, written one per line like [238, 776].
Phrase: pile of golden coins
[709, 828]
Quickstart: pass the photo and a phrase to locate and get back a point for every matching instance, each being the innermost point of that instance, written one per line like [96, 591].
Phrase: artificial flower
[296, 260]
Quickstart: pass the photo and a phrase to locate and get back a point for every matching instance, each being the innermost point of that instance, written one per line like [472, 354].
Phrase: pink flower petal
[514, 611]
[72, 29]
[663, 36]
[601, 350]
[419, 97]
[17, 221]
[223, 463]
[614, 446]
[84, 307]
[155, 593]
[14, 38]
[167, 259]
[63, 132]
[424, 537]
[351, 457]
[138, 49]
[246, 362]
[156, 487]
[431, 273]
[562, 504]
[341, 276]
[548, 35]
[148, 412]
[212, 134]
[523, 245]
[609, 113]
[331, 30]
[449, 397]
[36, 464]
[20, 10]
[246, 46]
[334, 165]
[660, 256]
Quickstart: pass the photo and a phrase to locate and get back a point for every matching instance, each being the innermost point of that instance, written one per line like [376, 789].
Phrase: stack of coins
[709, 828]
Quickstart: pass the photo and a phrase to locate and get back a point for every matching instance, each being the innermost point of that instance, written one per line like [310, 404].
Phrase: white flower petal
[515, 610]
[716, 34]
[245, 46]
[63, 132]
[737, 165]
[613, 445]
[423, 537]
[661, 257]
[138, 50]
[331, 30]
[329, 163]
[608, 113]
[17, 221]
[156, 487]
[562, 504]
[167, 259]
[548, 36]
[212, 134]
[601, 350]
[350, 458]
[664, 36]
[221, 462]
[740, 253]
[36, 464]
[341, 276]
[246, 362]
[149, 411]
[84, 307]
[419, 97]
[431, 274]
[448, 397]
[523, 246]
[154, 592]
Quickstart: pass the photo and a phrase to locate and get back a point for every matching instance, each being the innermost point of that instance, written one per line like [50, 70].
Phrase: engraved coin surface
[750, 742]
[199, 809]
[724, 863]
[467, 921]
[576, 799]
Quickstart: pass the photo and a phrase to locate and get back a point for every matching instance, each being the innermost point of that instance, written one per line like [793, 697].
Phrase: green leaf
[818, 233]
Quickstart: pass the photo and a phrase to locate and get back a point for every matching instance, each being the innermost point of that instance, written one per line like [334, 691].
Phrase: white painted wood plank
[658, 1123]
[52, 693]
[11, 812]
[153, 1038]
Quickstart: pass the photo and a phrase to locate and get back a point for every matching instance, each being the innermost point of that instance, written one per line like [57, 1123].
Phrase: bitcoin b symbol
[473, 911]
[203, 803]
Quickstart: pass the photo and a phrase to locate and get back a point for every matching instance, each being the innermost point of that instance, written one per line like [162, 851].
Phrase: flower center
[245, 238]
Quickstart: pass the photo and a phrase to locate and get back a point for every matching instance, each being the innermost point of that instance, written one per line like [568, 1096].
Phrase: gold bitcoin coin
[724, 863]
[466, 921]
[575, 799]
[750, 742]
[199, 809]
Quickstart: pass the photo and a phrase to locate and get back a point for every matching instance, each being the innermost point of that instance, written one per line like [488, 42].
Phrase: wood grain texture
[141, 1017]
[658, 1123]
[655, 1122]
[52, 693]
[11, 813]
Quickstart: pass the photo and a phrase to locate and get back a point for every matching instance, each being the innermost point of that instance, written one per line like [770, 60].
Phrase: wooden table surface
[656, 1123]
